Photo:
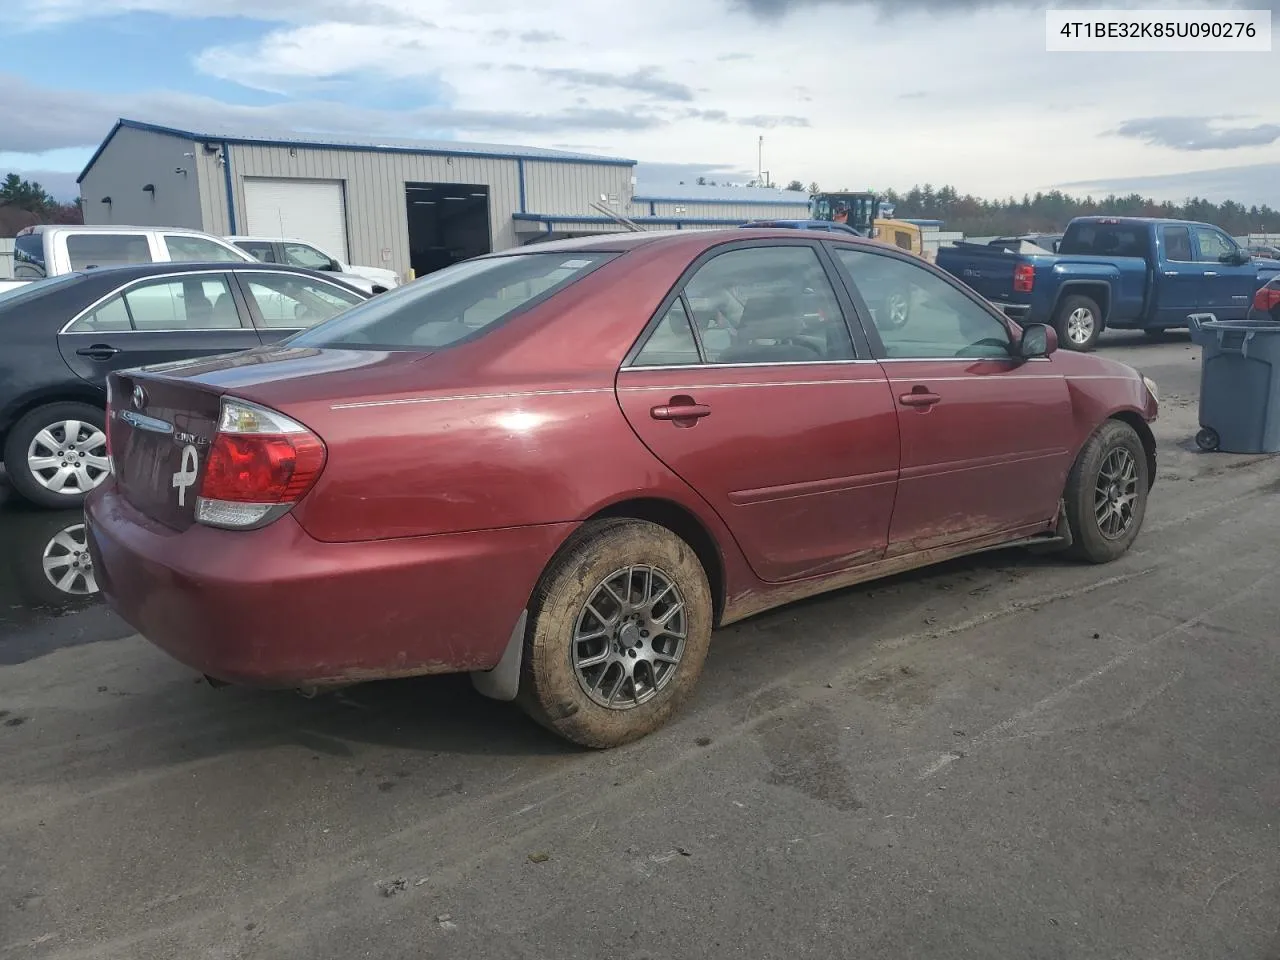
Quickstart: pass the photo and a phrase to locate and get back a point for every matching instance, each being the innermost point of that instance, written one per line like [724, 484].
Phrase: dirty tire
[1089, 541]
[1071, 306]
[20, 438]
[550, 691]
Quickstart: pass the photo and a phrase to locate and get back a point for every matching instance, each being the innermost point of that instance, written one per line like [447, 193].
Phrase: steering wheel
[813, 348]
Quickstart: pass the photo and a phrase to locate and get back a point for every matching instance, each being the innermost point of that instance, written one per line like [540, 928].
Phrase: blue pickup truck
[1130, 273]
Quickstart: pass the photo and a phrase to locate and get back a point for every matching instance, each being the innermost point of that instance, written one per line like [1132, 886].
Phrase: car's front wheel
[57, 453]
[1106, 495]
[620, 627]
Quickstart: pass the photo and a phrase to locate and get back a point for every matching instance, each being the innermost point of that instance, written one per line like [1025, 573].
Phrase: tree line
[24, 203]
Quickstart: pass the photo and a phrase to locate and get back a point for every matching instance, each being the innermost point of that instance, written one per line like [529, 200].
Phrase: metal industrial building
[401, 204]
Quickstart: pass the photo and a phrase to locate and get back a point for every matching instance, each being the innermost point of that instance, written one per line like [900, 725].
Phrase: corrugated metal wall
[569, 189]
[6, 258]
[133, 159]
[377, 218]
[720, 211]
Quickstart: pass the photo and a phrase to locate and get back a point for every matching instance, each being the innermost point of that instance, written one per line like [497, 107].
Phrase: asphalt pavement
[1007, 756]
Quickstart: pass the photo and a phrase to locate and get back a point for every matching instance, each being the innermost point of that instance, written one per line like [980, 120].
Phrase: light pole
[760, 159]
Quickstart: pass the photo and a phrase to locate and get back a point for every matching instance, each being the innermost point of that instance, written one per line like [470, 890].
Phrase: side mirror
[1038, 340]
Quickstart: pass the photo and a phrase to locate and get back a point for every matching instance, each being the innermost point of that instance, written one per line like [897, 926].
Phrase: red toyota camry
[559, 468]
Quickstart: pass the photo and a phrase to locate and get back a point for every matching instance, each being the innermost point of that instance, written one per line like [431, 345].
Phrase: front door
[748, 386]
[156, 320]
[1228, 288]
[1179, 281]
[986, 438]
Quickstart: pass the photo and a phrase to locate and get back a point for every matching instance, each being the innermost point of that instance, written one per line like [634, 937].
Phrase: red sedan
[559, 468]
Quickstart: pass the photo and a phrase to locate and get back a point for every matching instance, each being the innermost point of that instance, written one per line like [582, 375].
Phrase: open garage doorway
[448, 222]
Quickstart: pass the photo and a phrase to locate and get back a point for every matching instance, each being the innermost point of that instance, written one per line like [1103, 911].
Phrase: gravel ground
[1007, 756]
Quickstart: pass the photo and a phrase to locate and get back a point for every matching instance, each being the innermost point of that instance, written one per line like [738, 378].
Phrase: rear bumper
[276, 608]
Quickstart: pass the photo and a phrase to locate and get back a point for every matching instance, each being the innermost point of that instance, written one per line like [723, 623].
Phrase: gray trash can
[1239, 385]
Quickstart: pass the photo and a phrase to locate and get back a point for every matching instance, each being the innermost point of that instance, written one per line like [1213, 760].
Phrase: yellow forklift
[870, 216]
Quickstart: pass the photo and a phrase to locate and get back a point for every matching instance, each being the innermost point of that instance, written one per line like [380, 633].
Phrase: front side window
[88, 250]
[768, 305]
[305, 255]
[460, 301]
[1177, 244]
[258, 249]
[919, 315]
[1213, 245]
[185, 249]
[293, 302]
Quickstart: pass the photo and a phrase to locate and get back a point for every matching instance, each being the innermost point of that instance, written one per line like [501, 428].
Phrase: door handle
[1210, 273]
[680, 411]
[1171, 273]
[919, 397]
[99, 351]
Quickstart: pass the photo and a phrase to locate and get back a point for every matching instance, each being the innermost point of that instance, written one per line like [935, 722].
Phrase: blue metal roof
[699, 193]
[453, 148]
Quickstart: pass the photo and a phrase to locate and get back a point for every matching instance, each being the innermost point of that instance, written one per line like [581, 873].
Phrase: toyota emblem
[139, 397]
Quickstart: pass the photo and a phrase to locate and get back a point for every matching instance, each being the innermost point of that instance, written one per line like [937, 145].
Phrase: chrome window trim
[66, 328]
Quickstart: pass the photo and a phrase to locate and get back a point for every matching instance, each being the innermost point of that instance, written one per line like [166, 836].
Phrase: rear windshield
[453, 304]
[28, 257]
[1105, 240]
[14, 296]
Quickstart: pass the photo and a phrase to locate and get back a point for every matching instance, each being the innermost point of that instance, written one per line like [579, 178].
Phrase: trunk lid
[160, 432]
[164, 416]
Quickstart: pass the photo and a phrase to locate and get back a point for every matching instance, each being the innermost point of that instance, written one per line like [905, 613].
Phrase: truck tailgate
[988, 271]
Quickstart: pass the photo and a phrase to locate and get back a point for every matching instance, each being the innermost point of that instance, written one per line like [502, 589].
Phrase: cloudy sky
[850, 93]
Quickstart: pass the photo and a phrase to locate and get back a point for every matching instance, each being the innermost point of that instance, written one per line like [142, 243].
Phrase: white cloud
[849, 93]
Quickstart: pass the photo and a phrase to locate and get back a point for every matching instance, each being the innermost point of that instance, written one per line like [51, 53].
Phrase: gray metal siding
[722, 211]
[133, 159]
[568, 189]
[374, 185]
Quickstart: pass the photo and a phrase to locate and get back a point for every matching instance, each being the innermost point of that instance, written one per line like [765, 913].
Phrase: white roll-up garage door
[310, 210]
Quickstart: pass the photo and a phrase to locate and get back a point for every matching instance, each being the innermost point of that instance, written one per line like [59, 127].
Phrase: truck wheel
[1078, 322]
[57, 453]
[619, 631]
[1106, 494]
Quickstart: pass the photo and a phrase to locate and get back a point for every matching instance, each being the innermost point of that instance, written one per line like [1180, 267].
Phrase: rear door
[748, 385]
[170, 317]
[1179, 281]
[986, 439]
[281, 304]
[1228, 288]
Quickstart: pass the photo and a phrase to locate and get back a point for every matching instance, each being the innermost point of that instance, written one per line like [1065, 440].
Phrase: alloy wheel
[629, 638]
[68, 457]
[67, 563]
[1080, 324]
[1115, 493]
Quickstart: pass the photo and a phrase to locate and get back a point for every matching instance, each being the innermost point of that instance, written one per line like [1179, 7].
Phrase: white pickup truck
[50, 250]
[300, 253]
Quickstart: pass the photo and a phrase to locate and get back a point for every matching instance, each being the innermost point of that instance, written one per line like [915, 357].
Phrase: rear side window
[87, 250]
[258, 249]
[452, 304]
[1177, 244]
[1105, 240]
[28, 257]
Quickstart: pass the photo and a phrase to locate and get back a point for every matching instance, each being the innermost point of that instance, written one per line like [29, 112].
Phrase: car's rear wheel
[1106, 495]
[619, 631]
[1078, 322]
[57, 453]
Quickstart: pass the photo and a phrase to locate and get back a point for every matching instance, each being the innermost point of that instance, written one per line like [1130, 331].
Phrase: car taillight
[1267, 299]
[1024, 278]
[260, 464]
